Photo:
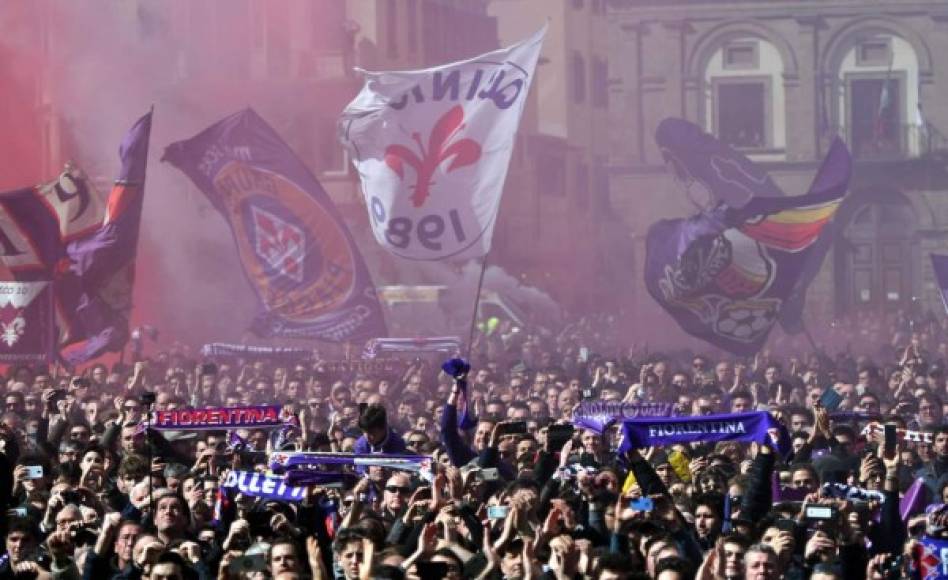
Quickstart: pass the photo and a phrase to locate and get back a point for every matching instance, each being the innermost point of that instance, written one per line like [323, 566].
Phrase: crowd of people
[91, 490]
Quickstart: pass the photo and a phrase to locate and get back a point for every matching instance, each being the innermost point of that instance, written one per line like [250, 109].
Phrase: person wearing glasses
[416, 441]
[395, 497]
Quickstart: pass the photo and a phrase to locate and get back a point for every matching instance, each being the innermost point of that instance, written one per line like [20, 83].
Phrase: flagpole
[809, 337]
[477, 301]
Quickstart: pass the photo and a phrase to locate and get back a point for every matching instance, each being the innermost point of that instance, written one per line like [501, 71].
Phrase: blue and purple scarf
[282, 462]
[757, 426]
[268, 487]
[600, 415]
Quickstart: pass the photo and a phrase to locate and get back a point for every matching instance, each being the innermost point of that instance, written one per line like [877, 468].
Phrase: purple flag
[756, 426]
[27, 323]
[832, 177]
[726, 274]
[297, 253]
[98, 285]
[700, 161]
[940, 266]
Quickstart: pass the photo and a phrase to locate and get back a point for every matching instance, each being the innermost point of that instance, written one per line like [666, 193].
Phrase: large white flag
[432, 148]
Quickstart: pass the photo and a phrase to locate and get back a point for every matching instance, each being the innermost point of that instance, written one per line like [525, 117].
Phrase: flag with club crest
[96, 287]
[309, 276]
[727, 274]
[432, 148]
[36, 226]
[27, 324]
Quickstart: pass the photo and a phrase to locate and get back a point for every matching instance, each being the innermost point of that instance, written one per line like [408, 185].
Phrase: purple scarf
[264, 486]
[216, 418]
[281, 462]
[756, 426]
[600, 415]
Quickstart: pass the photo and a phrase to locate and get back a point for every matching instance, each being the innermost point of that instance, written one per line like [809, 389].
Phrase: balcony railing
[870, 142]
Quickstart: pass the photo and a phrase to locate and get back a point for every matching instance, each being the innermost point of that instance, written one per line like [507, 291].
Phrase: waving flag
[27, 326]
[432, 148]
[309, 276]
[96, 291]
[728, 274]
[940, 266]
[832, 177]
[36, 226]
[701, 162]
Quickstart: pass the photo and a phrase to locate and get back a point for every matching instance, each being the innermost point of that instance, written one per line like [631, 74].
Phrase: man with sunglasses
[395, 497]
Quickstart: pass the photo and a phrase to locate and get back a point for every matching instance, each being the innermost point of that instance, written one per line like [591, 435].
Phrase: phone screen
[432, 570]
[891, 438]
[830, 399]
[643, 504]
[515, 427]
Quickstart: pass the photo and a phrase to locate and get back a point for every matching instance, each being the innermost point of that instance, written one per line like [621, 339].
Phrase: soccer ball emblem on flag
[432, 149]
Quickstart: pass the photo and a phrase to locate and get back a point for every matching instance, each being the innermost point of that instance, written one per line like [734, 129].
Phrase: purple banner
[263, 486]
[97, 289]
[27, 323]
[296, 250]
[600, 415]
[254, 417]
[757, 426]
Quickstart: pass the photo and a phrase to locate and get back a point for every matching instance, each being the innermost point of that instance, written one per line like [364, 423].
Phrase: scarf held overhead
[263, 486]
[283, 461]
[757, 426]
[252, 417]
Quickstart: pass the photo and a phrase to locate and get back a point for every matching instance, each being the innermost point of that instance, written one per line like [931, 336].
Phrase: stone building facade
[778, 79]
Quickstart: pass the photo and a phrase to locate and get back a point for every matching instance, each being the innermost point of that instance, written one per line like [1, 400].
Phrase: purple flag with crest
[97, 287]
[309, 276]
[726, 274]
[27, 324]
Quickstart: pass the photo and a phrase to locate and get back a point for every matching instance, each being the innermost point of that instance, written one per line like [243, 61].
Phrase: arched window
[876, 93]
[744, 95]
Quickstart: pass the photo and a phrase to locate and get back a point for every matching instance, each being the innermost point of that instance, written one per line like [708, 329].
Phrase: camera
[83, 536]
[148, 398]
[72, 496]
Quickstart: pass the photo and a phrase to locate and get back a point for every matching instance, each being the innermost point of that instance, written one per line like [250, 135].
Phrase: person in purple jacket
[377, 436]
